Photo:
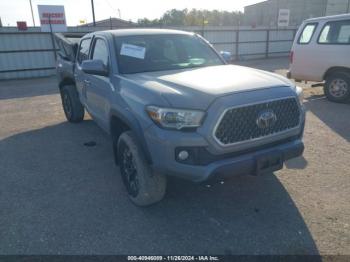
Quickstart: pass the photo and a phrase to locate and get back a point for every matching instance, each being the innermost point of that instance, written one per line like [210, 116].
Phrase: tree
[194, 17]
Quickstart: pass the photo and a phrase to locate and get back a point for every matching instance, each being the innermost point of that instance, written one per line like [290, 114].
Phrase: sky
[76, 10]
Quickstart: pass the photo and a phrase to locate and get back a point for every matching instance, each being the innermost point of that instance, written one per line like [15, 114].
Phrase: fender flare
[128, 118]
[66, 81]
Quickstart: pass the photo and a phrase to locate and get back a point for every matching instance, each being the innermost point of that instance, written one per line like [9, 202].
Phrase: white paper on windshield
[133, 51]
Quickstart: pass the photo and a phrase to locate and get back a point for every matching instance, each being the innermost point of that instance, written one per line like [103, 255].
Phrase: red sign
[52, 17]
[22, 25]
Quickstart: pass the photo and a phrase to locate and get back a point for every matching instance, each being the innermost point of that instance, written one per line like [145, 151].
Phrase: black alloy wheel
[129, 170]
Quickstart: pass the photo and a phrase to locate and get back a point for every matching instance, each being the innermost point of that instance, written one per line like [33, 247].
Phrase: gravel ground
[58, 196]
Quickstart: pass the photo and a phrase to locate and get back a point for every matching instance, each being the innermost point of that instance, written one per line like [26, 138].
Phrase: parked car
[321, 52]
[174, 107]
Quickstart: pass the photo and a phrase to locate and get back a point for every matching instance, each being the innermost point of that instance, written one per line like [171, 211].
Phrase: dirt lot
[58, 196]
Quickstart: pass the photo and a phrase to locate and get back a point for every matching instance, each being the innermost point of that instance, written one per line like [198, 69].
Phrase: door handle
[87, 82]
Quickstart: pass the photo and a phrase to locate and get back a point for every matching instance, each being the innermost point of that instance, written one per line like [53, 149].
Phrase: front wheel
[337, 87]
[144, 187]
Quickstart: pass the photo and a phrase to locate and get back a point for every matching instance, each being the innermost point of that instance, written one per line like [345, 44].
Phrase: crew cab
[321, 53]
[174, 107]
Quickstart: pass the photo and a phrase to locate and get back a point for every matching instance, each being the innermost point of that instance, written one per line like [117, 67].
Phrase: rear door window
[307, 33]
[335, 33]
[84, 47]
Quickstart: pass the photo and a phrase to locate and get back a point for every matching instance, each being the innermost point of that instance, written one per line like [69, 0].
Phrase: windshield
[146, 53]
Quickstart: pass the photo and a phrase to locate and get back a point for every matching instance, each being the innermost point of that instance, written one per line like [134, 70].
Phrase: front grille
[241, 124]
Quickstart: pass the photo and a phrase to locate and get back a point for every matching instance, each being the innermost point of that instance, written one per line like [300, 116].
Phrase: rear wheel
[73, 109]
[144, 187]
[337, 87]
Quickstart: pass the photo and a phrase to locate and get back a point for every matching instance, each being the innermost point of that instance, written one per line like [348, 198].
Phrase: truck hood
[197, 88]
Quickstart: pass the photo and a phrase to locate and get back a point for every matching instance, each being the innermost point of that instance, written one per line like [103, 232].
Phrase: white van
[321, 52]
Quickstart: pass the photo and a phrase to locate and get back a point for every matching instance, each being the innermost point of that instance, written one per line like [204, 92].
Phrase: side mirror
[227, 56]
[94, 67]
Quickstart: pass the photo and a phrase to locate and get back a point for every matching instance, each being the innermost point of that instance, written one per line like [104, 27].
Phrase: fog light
[183, 155]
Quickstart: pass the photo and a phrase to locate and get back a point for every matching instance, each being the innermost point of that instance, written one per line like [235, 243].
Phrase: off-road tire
[149, 187]
[73, 109]
[344, 80]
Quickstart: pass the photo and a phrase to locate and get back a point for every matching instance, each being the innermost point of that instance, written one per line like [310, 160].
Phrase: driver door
[99, 88]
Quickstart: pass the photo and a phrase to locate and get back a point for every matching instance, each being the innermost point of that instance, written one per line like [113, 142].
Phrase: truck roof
[331, 17]
[141, 31]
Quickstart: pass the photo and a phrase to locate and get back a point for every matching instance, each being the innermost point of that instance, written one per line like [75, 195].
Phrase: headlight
[175, 118]
[300, 94]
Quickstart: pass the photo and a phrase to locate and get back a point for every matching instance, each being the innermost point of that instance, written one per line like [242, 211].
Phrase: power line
[110, 5]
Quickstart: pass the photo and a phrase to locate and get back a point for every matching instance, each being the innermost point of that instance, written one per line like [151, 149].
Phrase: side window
[84, 50]
[344, 34]
[307, 33]
[337, 32]
[100, 51]
[324, 36]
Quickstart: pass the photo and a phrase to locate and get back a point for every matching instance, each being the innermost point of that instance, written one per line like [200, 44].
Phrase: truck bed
[67, 44]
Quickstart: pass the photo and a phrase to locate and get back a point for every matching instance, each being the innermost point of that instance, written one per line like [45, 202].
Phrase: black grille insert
[241, 123]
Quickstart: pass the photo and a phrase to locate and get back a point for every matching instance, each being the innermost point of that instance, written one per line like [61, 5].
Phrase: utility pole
[93, 12]
[348, 6]
[31, 9]
[52, 39]
[203, 23]
[278, 11]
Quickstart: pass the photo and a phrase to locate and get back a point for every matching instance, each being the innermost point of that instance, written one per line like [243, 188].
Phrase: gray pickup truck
[173, 106]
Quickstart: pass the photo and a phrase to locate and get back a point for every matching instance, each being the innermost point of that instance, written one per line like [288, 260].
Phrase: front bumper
[210, 159]
[253, 162]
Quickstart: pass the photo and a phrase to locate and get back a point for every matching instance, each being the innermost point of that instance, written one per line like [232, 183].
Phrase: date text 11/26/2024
[173, 258]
